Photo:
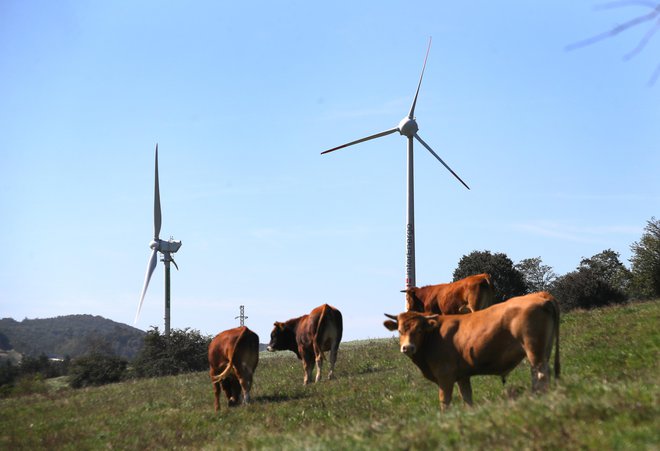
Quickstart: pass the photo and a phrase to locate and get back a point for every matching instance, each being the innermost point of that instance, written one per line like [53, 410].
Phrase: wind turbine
[408, 127]
[167, 248]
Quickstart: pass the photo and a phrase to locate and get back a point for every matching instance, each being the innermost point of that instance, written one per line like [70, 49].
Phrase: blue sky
[560, 150]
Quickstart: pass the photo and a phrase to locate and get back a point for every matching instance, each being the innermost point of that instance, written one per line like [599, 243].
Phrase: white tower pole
[410, 220]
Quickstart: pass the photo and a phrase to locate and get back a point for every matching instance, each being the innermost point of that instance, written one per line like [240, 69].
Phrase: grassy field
[607, 399]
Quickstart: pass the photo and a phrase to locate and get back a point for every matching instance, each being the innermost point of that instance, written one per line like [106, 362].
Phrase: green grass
[607, 399]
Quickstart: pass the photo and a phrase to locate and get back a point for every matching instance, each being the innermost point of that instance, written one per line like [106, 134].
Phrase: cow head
[413, 303]
[412, 327]
[281, 338]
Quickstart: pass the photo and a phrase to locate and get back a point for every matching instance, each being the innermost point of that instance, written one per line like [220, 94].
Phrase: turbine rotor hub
[408, 127]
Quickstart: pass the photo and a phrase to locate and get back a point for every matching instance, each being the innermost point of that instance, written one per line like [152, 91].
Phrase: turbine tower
[408, 127]
[166, 248]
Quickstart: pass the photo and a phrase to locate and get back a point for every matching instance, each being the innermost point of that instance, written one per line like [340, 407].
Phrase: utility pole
[242, 316]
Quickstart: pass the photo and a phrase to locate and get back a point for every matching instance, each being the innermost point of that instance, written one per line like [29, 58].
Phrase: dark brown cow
[233, 357]
[309, 336]
[450, 349]
[466, 295]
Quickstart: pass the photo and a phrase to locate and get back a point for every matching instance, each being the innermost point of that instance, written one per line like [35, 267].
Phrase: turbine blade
[440, 160]
[377, 135]
[175, 265]
[150, 270]
[157, 214]
[411, 115]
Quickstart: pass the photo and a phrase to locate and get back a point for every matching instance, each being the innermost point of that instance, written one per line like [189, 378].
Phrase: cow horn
[431, 316]
[395, 318]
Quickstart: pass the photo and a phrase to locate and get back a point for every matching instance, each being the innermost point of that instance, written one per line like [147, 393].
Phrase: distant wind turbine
[408, 128]
[167, 248]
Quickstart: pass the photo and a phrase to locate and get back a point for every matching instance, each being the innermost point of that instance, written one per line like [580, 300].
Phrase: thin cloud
[579, 234]
[392, 107]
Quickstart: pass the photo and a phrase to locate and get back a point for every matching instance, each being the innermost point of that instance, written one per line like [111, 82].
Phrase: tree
[537, 276]
[645, 262]
[507, 280]
[607, 267]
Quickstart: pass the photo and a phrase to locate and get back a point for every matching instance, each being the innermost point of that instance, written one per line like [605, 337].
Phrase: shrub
[96, 369]
[584, 289]
[185, 350]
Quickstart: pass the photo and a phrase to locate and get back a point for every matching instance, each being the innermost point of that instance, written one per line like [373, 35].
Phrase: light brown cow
[466, 295]
[309, 336]
[233, 358]
[450, 349]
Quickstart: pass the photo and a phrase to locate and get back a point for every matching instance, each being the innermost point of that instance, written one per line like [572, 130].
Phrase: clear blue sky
[560, 150]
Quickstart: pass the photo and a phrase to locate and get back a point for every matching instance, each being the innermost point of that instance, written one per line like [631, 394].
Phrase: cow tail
[319, 329]
[555, 304]
[230, 364]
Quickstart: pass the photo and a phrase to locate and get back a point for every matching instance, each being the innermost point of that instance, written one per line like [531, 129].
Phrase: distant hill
[71, 335]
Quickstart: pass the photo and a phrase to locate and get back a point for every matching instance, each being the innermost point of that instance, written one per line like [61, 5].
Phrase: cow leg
[245, 380]
[216, 390]
[465, 388]
[445, 393]
[540, 377]
[333, 360]
[318, 356]
[216, 394]
[536, 355]
[308, 365]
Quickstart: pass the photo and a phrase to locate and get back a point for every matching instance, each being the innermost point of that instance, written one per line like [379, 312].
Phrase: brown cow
[309, 336]
[450, 349]
[233, 357]
[466, 295]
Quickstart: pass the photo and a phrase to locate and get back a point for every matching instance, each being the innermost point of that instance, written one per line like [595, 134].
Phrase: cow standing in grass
[309, 336]
[450, 349]
[233, 358]
[466, 295]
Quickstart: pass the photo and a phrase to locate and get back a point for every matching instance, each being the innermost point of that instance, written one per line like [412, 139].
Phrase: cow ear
[431, 321]
[391, 325]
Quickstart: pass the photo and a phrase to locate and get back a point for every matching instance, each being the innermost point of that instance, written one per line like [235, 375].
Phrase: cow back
[239, 343]
[469, 294]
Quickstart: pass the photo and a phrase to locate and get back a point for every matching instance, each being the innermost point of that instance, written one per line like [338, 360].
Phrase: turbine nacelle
[165, 246]
[408, 127]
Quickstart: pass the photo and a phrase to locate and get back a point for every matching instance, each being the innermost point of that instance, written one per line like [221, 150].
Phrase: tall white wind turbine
[408, 127]
[166, 248]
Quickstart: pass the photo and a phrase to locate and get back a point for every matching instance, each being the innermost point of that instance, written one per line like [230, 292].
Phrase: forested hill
[71, 335]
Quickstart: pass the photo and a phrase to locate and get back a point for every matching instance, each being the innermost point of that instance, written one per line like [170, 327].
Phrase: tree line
[598, 280]
[184, 350]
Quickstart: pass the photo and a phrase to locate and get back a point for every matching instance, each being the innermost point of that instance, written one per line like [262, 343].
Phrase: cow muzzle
[269, 348]
[408, 349]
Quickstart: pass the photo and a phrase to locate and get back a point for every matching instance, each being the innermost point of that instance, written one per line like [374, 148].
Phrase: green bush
[184, 351]
[96, 369]
[584, 289]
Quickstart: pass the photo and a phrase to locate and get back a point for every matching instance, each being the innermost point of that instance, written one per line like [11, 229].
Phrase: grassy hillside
[607, 398]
